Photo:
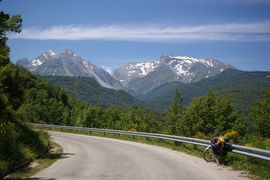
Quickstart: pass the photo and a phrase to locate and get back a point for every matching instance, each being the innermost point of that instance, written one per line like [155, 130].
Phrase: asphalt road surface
[87, 157]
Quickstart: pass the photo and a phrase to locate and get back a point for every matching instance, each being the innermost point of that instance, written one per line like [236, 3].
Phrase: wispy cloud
[259, 31]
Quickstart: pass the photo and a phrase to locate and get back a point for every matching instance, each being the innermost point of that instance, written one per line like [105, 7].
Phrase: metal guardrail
[248, 151]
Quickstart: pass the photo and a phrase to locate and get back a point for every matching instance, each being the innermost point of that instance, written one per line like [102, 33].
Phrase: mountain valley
[151, 82]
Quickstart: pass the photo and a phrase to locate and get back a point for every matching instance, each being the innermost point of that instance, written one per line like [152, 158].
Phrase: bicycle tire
[208, 154]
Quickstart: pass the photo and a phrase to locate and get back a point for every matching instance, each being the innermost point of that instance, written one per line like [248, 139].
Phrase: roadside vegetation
[19, 145]
[29, 98]
[54, 153]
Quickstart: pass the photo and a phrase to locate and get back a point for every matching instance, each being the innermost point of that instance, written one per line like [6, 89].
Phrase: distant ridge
[88, 90]
[244, 87]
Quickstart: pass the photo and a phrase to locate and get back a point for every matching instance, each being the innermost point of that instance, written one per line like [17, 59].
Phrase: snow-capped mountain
[142, 77]
[138, 78]
[67, 63]
[131, 71]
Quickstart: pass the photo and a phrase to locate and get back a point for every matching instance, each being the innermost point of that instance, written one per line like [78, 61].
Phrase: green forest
[244, 87]
[29, 98]
[88, 90]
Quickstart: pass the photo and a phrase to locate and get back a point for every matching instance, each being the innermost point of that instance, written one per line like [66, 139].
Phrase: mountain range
[151, 82]
[67, 63]
[140, 78]
[244, 87]
[136, 78]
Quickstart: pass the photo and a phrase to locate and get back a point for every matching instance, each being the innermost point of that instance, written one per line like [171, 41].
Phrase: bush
[3, 168]
[19, 145]
[25, 154]
[233, 135]
[201, 135]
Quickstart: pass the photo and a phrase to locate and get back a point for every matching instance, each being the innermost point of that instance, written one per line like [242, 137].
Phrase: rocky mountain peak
[166, 69]
[67, 63]
[68, 52]
[48, 54]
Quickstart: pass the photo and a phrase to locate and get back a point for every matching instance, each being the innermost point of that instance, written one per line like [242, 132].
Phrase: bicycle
[217, 150]
[210, 156]
[215, 154]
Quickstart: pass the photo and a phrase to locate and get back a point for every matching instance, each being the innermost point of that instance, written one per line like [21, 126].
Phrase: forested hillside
[29, 98]
[18, 144]
[244, 88]
[90, 91]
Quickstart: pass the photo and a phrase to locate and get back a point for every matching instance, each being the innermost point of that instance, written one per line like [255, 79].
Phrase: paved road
[96, 158]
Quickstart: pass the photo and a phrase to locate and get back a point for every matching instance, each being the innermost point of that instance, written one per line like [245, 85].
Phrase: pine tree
[175, 114]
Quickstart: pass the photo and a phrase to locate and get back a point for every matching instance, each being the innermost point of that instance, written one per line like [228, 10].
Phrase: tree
[175, 114]
[210, 115]
[259, 116]
[18, 143]
[7, 23]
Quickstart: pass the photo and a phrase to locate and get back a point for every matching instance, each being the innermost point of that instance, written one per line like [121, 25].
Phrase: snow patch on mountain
[36, 62]
[142, 68]
[134, 70]
[180, 70]
[108, 69]
[51, 53]
[185, 69]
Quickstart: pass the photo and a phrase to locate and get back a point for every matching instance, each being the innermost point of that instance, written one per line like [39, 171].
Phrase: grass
[39, 164]
[259, 169]
[254, 168]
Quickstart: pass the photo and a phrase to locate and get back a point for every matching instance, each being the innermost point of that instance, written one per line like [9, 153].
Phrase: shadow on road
[66, 155]
[57, 156]
[35, 178]
[40, 178]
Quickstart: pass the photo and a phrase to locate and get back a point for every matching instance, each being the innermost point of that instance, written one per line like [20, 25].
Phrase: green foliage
[243, 87]
[7, 23]
[259, 116]
[18, 143]
[135, 118]
[28, 98]
[175, 115]
[88, 90]
[206, 116]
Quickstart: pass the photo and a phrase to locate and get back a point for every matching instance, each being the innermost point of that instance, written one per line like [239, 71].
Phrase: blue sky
[115, 32]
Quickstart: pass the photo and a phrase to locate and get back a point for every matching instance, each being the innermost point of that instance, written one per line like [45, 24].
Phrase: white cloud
[259, 31]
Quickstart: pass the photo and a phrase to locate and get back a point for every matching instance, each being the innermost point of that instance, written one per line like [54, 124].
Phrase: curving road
[87, 157]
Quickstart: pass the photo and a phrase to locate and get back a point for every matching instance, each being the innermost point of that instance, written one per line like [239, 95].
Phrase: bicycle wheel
[208, 154]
